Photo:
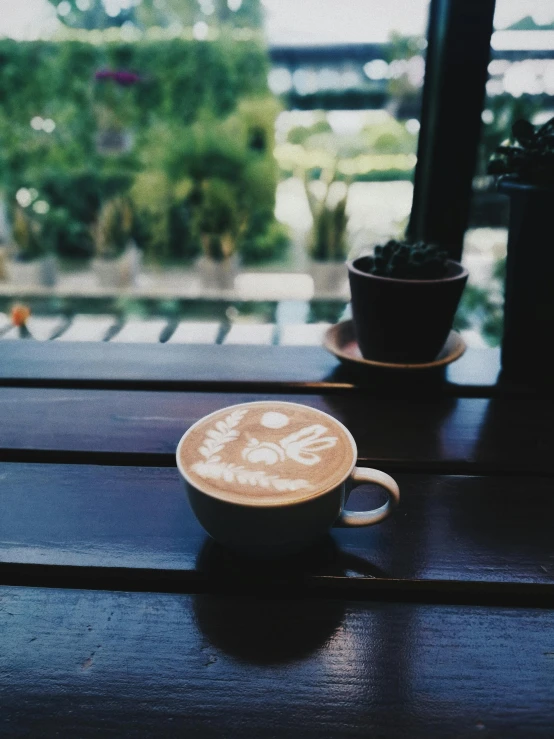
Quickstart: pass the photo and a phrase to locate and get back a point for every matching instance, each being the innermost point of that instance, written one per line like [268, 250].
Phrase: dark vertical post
[456, 72]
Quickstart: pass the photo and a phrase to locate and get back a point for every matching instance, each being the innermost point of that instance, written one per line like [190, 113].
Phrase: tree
[101, 14]
[93, 14]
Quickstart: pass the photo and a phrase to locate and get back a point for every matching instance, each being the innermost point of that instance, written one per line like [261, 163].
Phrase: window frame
[458, 53]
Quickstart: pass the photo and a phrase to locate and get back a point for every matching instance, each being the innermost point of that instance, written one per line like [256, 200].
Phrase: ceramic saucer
[340, 340]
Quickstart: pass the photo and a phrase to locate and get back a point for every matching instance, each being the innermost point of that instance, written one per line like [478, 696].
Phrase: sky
[302, 21]
[342, 21]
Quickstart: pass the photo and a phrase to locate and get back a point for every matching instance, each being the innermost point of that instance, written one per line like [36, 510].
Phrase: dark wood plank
[454, 435]
[166, 366]
[147, 665]
[464, 529]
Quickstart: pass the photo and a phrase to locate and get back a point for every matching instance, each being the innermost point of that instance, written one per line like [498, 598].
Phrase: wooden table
[119, 618]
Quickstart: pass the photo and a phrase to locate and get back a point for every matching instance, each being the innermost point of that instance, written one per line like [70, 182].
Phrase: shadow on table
[223, 566]
[267, 630]
[399, 380]
[281, 622]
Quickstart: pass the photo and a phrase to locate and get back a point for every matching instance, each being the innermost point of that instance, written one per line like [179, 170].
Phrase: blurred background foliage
[82, 122]
[91, 14]
[382, 149]
[150, 102]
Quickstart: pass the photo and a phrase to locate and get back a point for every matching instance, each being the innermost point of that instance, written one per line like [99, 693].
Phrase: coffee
[266, 453]
[268, 478]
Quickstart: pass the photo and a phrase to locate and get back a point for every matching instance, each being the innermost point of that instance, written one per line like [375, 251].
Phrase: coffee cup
[270, 477]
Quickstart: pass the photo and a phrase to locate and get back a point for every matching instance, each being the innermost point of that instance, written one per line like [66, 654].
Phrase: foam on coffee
[266, 453]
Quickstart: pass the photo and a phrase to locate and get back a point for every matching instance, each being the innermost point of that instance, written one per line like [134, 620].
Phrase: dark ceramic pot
[529, 293]
[403, 321]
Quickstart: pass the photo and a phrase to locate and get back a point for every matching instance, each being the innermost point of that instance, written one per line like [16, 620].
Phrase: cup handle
[367, 518]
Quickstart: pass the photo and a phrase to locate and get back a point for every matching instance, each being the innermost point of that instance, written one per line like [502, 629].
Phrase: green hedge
[195, 106]
[178, 78]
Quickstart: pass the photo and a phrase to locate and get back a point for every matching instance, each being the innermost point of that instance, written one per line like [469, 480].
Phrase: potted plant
[117, 259]
[217, 225]
[327, 246]
[404, 298]
[524, 166]
[33, 263]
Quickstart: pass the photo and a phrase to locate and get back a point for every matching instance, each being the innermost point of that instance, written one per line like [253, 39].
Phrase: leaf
[524, 132]
[234, 418]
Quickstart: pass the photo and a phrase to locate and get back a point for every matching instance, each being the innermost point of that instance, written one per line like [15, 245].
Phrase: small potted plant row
[33, 264]
[216, 223]
[117, 258]
[327, 246]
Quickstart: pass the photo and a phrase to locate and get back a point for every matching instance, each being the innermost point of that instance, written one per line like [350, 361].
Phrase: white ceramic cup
[271, 528]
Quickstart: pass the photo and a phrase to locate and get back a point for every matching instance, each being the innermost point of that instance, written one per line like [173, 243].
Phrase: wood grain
[452, 435]
[148, 665]
[172, 366]
[458, 529]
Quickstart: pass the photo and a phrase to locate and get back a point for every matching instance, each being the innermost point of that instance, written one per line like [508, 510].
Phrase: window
[520, 85]
[199, 131]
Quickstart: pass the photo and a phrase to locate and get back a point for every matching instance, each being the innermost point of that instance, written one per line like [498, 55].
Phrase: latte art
[263, 451]
[300, 446]
[272, 451]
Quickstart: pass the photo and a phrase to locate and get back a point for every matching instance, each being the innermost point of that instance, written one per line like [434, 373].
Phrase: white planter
[120, 272]
[328, 277]
[218, 274]
[36, 273]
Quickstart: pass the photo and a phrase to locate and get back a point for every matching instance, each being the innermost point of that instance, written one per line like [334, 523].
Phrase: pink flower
[121, 77]
[126, 78]
[103, 74]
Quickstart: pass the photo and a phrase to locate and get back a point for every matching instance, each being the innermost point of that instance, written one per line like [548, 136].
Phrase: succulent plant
[409, 261]
[112, 230]
[528, 156]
